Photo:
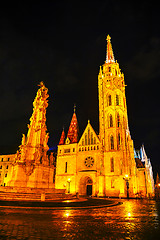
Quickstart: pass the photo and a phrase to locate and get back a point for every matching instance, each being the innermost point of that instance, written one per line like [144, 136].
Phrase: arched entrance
[89, 184]
[86, 186]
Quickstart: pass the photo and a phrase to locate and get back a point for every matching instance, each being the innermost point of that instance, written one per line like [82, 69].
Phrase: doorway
[89, 190]
[89, 184]
[86, 187]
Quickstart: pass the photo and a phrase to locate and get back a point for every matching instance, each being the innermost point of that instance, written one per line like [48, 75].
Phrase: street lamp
[126, 178]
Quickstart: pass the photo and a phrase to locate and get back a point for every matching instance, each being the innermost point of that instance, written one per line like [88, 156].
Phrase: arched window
[112, 142]
[118, 120]
[7, 167]
[1, 167]
[65, 167]
[117, 100]
[110, 121]
[109, 100]
[91, 137]
[85, 138]
[112, 164]
[94, 140]
[119, 140]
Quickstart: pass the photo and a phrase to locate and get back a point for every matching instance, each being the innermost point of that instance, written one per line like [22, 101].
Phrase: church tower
[104, 164]
[116, 143]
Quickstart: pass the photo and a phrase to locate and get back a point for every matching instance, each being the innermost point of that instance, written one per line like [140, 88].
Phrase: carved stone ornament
[28, 168]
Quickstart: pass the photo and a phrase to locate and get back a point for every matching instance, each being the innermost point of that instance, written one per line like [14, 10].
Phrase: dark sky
[63, 43]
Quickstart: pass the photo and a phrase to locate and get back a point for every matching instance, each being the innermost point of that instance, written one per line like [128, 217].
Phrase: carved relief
[28, 168]
[45, 175]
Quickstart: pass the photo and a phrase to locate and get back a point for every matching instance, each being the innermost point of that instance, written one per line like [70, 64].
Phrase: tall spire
[109, 54]
[73, 129]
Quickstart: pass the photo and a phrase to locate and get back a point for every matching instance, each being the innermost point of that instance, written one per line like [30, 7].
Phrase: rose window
[88, 162]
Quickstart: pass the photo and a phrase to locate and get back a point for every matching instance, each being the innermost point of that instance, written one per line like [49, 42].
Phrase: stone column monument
[32, 168]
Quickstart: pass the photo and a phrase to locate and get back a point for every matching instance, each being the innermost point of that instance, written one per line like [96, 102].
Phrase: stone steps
[32, 196]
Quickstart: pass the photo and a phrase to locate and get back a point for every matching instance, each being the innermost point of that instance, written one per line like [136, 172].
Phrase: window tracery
[117, 100]
[109, 100]
[111, 142]
[110, 120]
[118, 120]
[112, 164]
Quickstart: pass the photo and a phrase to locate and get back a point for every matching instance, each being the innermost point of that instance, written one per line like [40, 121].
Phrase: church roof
[61, 142]
[139, 164]
[73, 131]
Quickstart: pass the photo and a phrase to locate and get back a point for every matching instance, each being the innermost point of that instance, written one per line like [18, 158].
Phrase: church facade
[104, 164]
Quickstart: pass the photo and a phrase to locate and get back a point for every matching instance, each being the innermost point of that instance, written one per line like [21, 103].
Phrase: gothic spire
[73, 129]
[61, 142]
[109, 53]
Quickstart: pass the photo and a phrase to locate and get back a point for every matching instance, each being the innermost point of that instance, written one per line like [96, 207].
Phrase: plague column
[32, 167]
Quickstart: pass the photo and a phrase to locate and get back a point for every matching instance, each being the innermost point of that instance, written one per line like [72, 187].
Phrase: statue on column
[33, 148]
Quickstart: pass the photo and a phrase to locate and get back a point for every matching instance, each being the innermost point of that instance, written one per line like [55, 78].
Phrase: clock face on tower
[88, 162]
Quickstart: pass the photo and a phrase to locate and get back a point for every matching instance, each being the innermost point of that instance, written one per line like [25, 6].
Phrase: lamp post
[126, 178]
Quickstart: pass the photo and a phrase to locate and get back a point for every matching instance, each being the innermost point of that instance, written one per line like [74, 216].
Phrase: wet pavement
[73, 203]
[134, 219]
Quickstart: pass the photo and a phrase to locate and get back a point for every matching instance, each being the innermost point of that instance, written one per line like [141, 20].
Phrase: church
[94, 165]
[104, 164]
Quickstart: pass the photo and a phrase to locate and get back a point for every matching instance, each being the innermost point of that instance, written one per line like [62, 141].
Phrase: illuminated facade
[6, 168]
[104, 165]
[98, 165]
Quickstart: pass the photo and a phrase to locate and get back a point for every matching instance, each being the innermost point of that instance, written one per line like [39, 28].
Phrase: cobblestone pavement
[29, 220]
[27, 224]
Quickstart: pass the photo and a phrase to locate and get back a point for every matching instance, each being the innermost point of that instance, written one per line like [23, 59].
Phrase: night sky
[63, 43]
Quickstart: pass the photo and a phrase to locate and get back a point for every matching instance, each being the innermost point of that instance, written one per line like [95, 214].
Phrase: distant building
[5, 168]
[104, 164]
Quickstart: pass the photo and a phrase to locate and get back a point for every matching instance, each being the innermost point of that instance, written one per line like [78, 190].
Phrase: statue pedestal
[38, 176]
